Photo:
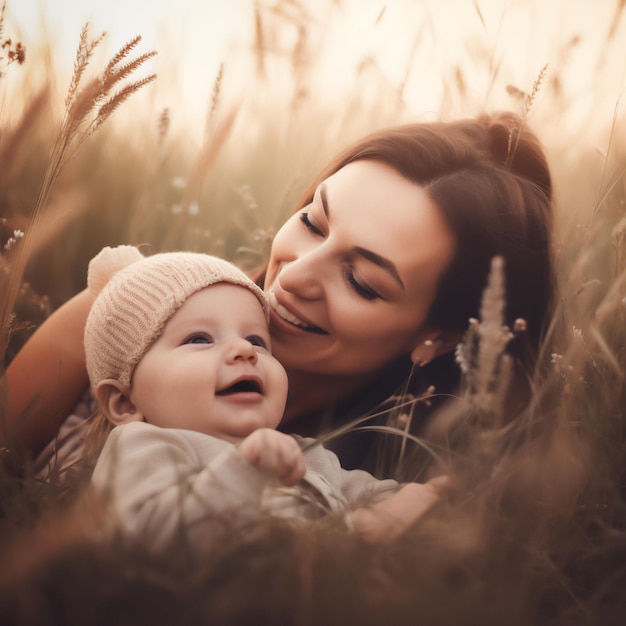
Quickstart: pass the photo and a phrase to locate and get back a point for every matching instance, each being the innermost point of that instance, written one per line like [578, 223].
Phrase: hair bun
[107, 263]
[515, 147]
[500, 130]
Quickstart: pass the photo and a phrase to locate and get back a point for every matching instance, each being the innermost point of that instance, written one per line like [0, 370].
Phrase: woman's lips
[290, 318]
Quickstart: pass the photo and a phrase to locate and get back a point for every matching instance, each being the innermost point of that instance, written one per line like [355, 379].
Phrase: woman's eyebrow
[379, 260]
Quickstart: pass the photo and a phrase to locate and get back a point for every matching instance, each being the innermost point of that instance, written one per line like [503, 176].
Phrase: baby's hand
[276, 453]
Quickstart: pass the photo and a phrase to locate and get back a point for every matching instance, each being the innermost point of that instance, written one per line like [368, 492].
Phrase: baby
[179, 358]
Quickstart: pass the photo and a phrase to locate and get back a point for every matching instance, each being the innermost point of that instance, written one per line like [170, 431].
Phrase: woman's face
[352, 276]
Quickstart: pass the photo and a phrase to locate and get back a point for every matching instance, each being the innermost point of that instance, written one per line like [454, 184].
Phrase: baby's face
[211, 370]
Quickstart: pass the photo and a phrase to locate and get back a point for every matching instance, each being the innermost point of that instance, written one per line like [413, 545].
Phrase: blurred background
[411, 47]
[253, 96]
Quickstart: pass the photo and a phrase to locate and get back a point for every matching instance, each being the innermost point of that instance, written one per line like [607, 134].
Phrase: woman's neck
[319, 402]
[312, 398]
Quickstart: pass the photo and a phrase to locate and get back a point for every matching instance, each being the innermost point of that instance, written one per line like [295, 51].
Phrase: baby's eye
[199, 338]
[257, 341]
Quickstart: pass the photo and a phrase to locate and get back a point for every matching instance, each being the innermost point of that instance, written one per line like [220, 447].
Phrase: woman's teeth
[284, 313]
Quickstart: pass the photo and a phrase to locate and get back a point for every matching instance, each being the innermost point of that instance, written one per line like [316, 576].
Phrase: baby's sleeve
[356, 487]
[157, 485]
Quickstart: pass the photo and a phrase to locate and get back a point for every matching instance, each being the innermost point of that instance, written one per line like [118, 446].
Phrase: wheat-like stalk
[487, 369]
[213, 144]
[80, 103]
[116, 59]
[13, 141]
[534, 91]
[515, 132]
[117, 100]
[83, 54]
[260, 41]
[96, 96]
[163, 125]
[215, 98]
[115, 75]
[2, 12]
[93, 99]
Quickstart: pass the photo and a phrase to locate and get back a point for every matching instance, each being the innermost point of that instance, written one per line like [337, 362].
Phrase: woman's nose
[302, 277]
[241, 350]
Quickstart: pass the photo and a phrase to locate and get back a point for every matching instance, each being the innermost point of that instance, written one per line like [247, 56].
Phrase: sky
[193, 37]
[198, 32]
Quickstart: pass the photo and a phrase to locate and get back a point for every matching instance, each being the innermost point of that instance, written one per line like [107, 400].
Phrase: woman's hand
[275, 452]
[390, 518]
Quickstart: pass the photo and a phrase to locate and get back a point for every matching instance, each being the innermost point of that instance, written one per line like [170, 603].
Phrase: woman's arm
[46, 378]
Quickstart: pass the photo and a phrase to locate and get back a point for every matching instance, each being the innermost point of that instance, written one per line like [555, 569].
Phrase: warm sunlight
[431, 193]
[415, 46]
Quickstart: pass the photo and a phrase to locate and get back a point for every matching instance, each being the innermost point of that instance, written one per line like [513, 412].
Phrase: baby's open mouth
[242, 386]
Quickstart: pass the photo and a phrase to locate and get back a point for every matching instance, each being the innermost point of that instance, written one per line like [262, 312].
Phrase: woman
[377, 275]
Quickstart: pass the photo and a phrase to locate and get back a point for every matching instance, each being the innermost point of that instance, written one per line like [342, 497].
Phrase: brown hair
[490, 179]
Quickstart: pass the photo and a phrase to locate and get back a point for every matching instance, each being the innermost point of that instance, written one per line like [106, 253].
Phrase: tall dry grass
[535, 534]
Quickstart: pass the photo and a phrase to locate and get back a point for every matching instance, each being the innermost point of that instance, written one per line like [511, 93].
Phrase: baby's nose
[240, 349]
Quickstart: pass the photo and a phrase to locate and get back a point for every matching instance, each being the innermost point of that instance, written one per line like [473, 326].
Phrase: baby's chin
[244, 430]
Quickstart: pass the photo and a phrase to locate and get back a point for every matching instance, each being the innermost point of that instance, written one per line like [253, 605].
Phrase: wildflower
[246, 194]
[11, 241]
[403, 420]
[263, 234]
[20, 52]
[481, 355]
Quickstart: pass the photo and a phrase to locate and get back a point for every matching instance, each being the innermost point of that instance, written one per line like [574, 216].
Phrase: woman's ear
[114, 400]
[438, 344]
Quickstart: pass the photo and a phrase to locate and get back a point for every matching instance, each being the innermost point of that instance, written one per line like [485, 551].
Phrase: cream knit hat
[137, 295]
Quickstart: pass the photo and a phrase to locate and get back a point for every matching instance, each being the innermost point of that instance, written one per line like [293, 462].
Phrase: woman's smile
[344, 299]
[284, 314]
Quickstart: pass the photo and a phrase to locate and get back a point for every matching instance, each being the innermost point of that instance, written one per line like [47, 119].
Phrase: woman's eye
[257, 341]
[304, 218]
[362, 290]
[199, 338]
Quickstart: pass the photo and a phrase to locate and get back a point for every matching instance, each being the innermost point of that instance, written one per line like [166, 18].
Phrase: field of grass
[552, 549]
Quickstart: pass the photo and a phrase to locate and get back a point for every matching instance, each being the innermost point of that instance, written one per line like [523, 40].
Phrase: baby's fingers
[297, 471]
[275, 453]
[290, 467]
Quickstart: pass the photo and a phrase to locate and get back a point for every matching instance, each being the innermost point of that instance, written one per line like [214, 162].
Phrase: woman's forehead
[372, 206]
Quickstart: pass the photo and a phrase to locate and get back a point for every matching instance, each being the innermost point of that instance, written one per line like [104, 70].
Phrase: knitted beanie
[137, 295]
